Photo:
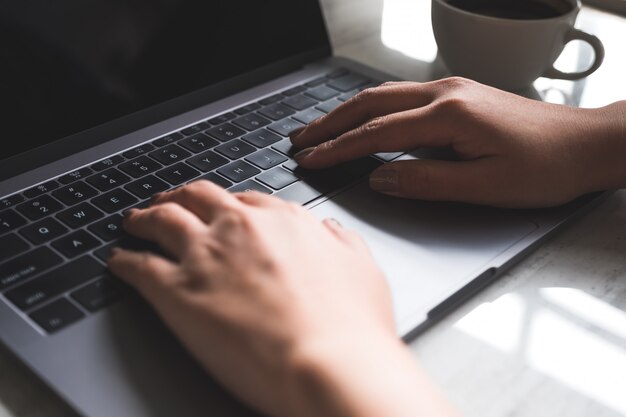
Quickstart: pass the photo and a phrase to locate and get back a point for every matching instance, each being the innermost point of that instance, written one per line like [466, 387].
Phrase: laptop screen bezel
[31, 159]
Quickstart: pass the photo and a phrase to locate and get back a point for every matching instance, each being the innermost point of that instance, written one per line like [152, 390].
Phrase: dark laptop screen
[69, 65]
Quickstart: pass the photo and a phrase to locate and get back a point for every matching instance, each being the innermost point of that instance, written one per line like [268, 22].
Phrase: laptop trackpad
[428, 251]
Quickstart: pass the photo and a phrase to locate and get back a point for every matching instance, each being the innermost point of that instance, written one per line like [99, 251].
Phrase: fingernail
[129, 212]
[303, 153]
[335, 221]
[384, 180]
[296, 132]
[155, 198]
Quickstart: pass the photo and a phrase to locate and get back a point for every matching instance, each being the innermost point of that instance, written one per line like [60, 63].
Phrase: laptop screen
[69, 65]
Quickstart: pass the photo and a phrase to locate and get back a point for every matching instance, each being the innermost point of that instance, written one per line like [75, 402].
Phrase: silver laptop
[108, 102]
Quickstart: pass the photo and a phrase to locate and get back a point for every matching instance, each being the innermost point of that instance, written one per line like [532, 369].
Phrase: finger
[258, 199]
[403, 131]
[171, 226]
[152, 275]
[467, 181]
[369, 104]
[203, 198]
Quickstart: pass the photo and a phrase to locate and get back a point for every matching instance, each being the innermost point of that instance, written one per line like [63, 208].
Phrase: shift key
[27, 265]
[55, 282]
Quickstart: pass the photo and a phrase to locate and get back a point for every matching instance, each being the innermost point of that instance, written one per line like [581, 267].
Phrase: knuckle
[374, 125]
[456, 82]
[454, 105]
[389, 83]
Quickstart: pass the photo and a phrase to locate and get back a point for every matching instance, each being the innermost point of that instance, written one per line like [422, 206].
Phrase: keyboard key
[75, 175]
[11, 201]
[43, 231]
[170, 154]
[138, 151]
[198, 143]
[75, 193]
[348, 82]
[337, 73]
[298, 171]
[247, 109]
[316, 82]
[197, 128]
[235, 149]
[238, 171]
[271, 99]
[266, 158]
[76, 243]
[39, 207]
[107, 180]
[388, 156]
[322, 93]
[11, 245]
[278, 178]
[41, 189]
[127, 242]
[261, 138]
[308, 116]
[293, 91]
[226, 132]
[109, 228]
[285, 126]
[341, 175]
[57, 315]
[251, 122]
[98, 295]
[207, 161]
[249, 185]
[276, 111]
[300, 102]
[300, 193]
[10, 220]
[285, 146]
[114, 200]
[55, 282]
[108, 163]
[27, 265]
[216, 179]
[167, 140]
[222, 118]
[147, 186]
[347, 96]
[329, 106]
[139, 167]
[80, 215]
[178, 174]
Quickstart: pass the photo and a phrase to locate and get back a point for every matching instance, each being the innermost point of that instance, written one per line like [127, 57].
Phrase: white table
[548, 338]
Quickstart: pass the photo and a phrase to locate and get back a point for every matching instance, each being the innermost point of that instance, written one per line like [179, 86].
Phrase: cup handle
[598, 48]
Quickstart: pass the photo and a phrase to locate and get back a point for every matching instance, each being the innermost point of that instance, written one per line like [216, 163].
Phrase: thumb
[463, 181]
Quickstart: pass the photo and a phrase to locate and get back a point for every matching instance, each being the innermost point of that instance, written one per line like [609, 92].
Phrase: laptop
[108, 102]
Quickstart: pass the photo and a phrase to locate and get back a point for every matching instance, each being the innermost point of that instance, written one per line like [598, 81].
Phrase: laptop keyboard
[55, 238]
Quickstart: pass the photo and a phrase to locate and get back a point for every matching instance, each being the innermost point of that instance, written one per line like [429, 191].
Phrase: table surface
[549, 337]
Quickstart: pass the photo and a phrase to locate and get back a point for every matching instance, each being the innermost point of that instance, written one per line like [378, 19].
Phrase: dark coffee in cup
[514, 9]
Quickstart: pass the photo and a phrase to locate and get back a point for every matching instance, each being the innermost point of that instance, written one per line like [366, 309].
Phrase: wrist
[363, 376]
[607, 147]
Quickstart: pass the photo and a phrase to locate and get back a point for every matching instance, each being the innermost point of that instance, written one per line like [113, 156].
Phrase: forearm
[380, 378]
[607, 148]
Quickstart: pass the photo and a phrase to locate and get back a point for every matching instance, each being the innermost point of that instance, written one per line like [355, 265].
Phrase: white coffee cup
[505, 52]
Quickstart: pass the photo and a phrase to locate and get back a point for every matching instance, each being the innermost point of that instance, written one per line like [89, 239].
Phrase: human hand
[261, 292]
[512, 151]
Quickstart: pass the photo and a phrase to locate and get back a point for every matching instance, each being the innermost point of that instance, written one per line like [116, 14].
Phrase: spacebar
[300, 193]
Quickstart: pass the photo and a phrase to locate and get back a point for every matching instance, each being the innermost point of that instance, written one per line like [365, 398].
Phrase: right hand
[512, 151]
